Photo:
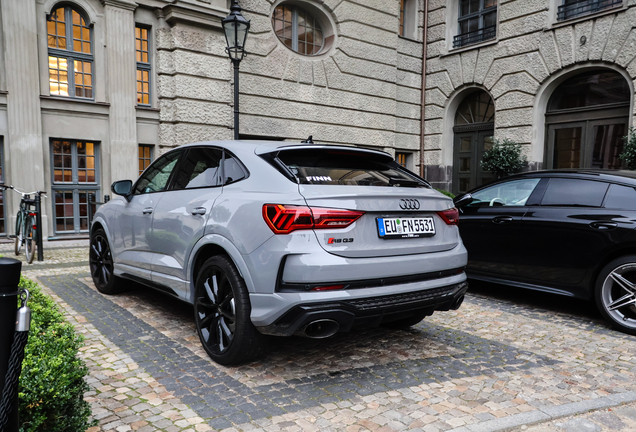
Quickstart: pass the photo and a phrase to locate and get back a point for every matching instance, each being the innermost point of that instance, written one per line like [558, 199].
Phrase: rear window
[340, 167]
[574, 192]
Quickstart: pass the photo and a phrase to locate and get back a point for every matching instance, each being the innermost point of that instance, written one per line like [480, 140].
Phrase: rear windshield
[340, 167]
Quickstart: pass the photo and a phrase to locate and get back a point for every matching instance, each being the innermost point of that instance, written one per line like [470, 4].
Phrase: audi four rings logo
[409, 204]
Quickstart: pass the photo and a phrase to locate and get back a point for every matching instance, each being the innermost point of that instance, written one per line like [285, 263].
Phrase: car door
[131, 229]
[489, 226]
[181, 214]
[566, 233]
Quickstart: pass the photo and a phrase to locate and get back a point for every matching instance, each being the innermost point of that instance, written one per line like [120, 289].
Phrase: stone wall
[532, 53]
[364, 91]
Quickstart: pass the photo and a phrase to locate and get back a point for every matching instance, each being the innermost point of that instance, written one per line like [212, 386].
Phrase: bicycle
[25, 224]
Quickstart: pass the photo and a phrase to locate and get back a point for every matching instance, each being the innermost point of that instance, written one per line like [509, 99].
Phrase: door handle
[603, 225]
[198, 211]
[147, 210]
[500, 220]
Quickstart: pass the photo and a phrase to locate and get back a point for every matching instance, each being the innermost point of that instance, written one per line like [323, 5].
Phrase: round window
[298, 29]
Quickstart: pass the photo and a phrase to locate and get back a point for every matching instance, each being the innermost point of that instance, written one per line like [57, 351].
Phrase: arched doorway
[473, 130]
[586, 120]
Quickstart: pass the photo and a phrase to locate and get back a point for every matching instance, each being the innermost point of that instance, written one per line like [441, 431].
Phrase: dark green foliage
[52, 386]
[447, 193]
[504, 158]
[629, 149]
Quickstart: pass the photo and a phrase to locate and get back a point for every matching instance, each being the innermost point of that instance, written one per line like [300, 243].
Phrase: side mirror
[123, 188]
[463, 200]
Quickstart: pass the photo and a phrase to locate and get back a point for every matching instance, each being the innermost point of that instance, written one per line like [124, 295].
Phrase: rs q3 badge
[332, 240]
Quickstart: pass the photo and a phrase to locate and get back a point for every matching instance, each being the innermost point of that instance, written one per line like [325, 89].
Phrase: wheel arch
[607, 258]
[210, 246]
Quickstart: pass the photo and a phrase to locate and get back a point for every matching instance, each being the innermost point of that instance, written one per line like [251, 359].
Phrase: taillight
[283, 219]
[450, 216]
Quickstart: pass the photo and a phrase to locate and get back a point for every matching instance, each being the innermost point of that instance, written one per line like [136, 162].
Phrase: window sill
[146, 108]
[409, 39]
[73, 100]
[571, 21]
[454, 51]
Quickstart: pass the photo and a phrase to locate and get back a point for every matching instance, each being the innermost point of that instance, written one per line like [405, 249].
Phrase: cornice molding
[121, 4]
[189, 13]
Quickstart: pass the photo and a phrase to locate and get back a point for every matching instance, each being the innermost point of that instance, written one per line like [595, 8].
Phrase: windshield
[348, 168]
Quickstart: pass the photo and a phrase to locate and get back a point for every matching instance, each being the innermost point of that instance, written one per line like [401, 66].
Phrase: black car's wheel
[222, 313]
[101, 265]
[616, 293]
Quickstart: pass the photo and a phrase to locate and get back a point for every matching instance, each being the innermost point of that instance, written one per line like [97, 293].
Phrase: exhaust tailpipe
[457, 303]
[320, 329]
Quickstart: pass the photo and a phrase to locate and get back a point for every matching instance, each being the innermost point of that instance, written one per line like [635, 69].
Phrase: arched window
[70, 53]
[474, 126]
[298, 29]
[586, 120]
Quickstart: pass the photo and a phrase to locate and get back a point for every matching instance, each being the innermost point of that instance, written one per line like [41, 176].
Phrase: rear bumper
[368, 311]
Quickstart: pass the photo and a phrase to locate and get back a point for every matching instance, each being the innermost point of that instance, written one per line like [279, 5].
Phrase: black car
[569, 232]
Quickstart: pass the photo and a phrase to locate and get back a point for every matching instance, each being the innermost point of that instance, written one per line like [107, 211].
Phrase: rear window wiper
[404, 182]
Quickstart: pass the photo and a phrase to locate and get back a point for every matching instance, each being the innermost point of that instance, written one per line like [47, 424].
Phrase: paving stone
[492, 364]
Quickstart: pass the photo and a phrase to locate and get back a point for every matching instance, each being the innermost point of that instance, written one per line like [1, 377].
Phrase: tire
[404, 323]
[615, 293]
[29, 241]
[102, 266]
[18, 233]
[222, 314]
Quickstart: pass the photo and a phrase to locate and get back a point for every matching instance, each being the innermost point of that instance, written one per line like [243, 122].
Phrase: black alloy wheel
[222, 314]
[101, 265]
[616, 293]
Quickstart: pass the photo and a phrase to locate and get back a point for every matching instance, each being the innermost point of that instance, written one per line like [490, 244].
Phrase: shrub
[629, 149]
[51, 388]
[447, 193]
[504, 158]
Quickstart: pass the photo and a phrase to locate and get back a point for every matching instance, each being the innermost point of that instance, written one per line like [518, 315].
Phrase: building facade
[554, 75]
[91, 91]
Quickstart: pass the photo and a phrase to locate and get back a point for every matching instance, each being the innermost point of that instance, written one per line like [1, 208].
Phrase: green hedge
[52, 386]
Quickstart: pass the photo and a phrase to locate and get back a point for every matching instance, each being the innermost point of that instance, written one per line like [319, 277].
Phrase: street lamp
[236, 28]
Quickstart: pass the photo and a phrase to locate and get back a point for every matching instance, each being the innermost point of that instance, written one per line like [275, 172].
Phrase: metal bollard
[9, 279]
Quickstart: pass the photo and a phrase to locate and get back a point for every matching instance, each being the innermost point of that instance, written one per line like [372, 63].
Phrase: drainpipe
[424, 45]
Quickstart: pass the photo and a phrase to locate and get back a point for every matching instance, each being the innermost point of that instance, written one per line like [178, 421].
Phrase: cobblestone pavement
[504, 361]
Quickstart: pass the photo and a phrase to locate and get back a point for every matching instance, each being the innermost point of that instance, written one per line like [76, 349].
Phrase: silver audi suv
[276, 238]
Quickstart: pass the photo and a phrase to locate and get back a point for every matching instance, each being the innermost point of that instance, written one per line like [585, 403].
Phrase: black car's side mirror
[463, 200]
[123, 188]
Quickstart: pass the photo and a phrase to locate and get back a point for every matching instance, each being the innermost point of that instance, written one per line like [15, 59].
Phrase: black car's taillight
[283, 219]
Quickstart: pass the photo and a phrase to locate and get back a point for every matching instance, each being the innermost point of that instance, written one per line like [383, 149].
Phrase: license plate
[390, 228]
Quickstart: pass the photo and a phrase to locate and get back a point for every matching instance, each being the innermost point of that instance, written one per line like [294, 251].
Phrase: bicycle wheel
[18, 233]
[29, 240]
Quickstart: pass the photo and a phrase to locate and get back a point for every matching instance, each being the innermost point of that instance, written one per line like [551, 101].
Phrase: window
[408, 19]
[477, 22]
[145, 157]
[297, 29]
[155, 178]
[200, 168]
[576, 8]
[70, 49]
[326, 167]
[512, 193]
[621, 197]
[75, 181]
[143, 65]
[574, 192]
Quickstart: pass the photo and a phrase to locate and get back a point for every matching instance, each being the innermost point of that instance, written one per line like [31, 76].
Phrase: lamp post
[236, 28]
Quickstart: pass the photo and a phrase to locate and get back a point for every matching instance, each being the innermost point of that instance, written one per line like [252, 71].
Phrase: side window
[512, 193]
[574, 192]
[232, 169]
[621, 197]
[156, 176]
[200, 168]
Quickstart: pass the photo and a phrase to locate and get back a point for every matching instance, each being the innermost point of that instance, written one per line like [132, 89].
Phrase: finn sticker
[318, 178]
